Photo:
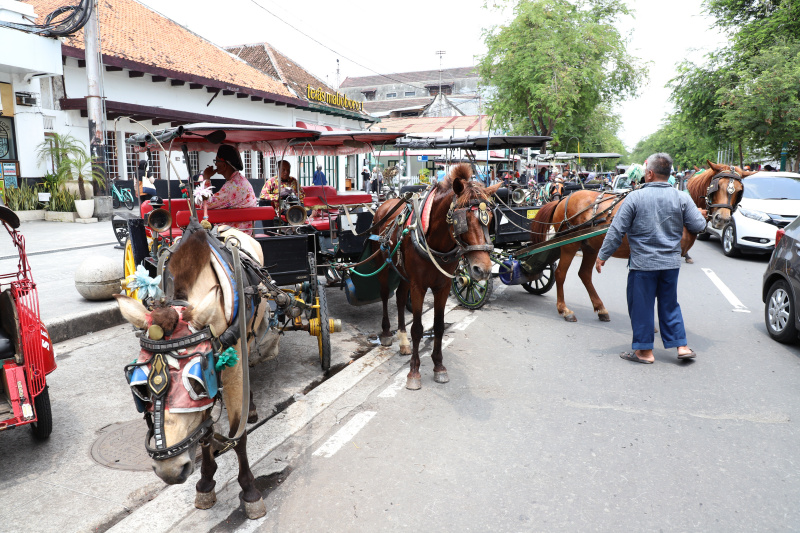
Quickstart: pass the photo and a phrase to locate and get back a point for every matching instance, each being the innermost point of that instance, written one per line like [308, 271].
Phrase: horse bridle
[457, 219]
[713, 187]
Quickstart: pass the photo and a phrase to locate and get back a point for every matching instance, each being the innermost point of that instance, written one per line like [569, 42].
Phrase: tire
[44, 416]
[121, 233]
[779, 313]
[543, 284]
[729, 241]
[703, 236]
[469, 293]
[115, 202]
[324, 338]
[129, 202]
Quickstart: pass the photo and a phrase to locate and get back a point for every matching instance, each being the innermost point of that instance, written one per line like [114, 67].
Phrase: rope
[388, 259]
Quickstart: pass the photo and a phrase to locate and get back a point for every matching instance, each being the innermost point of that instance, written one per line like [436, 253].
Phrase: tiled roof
[134, 32]
[409, 125]
[376, 106]
[410, 77]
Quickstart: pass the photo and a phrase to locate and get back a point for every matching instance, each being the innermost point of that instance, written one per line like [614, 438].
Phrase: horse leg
[252, 414]
[386, 334]
[414, 380]
[402, 298]
[439, 301]
[206, 497]
[254, 506]
[567, 254]
[585, 273]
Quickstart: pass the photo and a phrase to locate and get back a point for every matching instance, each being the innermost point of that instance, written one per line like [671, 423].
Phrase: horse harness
[594, 220]
[713, 187]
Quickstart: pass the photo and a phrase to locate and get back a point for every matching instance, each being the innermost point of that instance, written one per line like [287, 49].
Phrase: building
[409, 94]
[155, 74]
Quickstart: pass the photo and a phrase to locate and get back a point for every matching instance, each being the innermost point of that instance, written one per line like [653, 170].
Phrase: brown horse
[459, 216]
[197, 307]
[582, 206]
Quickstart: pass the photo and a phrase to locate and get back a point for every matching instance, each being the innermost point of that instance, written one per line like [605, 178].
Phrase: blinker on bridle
[457, 219]
[713, 187]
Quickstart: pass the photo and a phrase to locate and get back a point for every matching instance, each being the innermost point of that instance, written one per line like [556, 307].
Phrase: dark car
[781, 288]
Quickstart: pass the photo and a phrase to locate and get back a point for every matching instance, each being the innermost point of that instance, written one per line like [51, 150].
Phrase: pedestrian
[653, 217]
[672, 178]
[377, 180]
[365, 178]
[319, 177]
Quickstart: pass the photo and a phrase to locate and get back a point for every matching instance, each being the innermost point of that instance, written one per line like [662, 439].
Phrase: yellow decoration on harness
[482, 206]
[155, 332]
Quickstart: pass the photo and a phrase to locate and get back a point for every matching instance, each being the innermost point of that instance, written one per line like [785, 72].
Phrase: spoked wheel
[324, 334]
[114, 202]
[470, 293]
[544, 283]
[129, 203]
[120, 232]
[128, 265]
[44, 415]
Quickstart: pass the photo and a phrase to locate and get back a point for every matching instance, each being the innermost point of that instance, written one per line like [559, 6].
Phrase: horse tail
[541, 223]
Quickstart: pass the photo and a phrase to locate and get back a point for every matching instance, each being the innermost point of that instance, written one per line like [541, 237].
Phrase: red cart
[26, 353]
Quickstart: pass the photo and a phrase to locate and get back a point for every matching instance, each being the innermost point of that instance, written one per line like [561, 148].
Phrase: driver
[279, 187]
[237, 191]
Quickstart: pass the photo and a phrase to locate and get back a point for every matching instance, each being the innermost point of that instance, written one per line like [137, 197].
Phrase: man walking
[319, 177]
[653, 218]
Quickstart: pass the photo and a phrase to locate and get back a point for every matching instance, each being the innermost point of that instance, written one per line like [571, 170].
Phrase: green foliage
[557, 63]
[756, 25]
[71, 161]
[62, 200]
[22, 198]
[80, 166]
[688, 145]
[52, 182]
[56, 147]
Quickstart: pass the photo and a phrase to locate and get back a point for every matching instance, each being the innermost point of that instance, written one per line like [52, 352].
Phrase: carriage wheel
[544, 283]
[44, 415]
[121, 233]
[470, 293]
[324, 337]
[129, 266]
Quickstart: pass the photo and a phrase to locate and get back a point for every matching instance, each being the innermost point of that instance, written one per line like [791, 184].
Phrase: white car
[771, 200]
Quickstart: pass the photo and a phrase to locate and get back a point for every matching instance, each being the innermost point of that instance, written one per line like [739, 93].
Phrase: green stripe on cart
[557, 243]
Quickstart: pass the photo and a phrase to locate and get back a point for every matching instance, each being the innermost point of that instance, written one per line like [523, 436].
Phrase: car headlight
[755, 215]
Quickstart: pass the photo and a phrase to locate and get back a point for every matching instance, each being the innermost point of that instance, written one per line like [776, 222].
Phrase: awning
[207, 137]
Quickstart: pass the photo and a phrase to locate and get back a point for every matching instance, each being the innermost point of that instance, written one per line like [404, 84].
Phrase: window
[248, 164]
[369, 95]
[194, 161]
[306, 173]
[409, 93]
[272, 169]
[112, 162]
[433, 90]
[154, 167]
[260, 165]
[131, 158]
[391, 95]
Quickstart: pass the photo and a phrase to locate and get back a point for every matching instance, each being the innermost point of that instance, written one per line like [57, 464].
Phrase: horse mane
[699, 182]
[473, 190]
[188, 262]
[541, 223]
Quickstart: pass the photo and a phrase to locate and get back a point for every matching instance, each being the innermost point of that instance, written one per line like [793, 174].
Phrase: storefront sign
[338, 99]
[10, 174]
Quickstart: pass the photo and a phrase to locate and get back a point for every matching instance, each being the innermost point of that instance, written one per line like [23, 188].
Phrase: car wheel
[729, 241]
[779, 313]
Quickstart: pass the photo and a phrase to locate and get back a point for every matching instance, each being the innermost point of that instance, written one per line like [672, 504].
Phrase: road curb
[67, 327]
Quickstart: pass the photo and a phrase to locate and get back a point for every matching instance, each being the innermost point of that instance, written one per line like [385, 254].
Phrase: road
[541, 428]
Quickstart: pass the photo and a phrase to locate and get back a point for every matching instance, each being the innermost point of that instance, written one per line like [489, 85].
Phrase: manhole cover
[121, 446]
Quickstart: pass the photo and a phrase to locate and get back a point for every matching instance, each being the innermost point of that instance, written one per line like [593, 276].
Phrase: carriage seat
[228, 216]
[9, 340]
[316, 196]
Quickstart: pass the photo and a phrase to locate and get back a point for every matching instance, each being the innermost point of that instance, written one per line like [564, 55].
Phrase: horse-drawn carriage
[26, 352]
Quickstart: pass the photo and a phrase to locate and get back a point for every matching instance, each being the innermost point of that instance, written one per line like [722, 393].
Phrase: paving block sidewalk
[55, 250]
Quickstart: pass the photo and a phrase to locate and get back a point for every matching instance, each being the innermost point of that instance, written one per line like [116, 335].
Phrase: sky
[372, 37]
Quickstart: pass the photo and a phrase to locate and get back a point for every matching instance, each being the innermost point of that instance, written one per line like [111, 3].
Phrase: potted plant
[61, 207]
[71, 161]
[24, 201]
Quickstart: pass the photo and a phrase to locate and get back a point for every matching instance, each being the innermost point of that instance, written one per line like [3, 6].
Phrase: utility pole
[94, 103]
[337, 75]
[440, 53]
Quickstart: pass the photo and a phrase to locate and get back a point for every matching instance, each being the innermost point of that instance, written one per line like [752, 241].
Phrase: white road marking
[738, 306]
[344, 435]
[392, 390]
[461, 326]
[499, 289]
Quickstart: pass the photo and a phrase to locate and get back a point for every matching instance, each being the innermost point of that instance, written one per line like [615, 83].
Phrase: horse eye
[198, 387]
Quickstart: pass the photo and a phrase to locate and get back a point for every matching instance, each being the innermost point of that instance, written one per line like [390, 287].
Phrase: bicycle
[121, 196]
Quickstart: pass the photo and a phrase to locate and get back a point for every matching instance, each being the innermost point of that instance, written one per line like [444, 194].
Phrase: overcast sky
[370, 37]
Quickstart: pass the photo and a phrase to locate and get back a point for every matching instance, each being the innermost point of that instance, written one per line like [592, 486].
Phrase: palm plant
[81, 166]
[56, 147]
[71, 161]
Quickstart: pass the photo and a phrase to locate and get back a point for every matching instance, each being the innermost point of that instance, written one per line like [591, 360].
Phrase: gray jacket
[653, 217]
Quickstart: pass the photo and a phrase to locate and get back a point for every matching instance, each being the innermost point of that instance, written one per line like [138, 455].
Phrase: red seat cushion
[229, 216]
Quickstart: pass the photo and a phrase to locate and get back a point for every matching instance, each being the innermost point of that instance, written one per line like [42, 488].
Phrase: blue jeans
[644, 288]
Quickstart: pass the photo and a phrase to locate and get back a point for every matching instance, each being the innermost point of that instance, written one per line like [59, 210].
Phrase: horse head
[470, 217]
[173, 379]
[724, 192]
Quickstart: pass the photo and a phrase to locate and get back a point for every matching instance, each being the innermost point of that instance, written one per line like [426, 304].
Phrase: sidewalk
[55, 249]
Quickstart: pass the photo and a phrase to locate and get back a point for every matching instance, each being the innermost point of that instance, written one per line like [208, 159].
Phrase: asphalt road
[541, 428]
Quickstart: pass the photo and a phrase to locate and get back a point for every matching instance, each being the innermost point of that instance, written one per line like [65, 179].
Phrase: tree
[755, 24]
[70, 160]
[688, 145]
[556, 63]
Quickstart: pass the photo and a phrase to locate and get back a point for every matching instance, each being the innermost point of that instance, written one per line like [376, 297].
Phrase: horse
[588, 208]
[452, 222]
[198, 309]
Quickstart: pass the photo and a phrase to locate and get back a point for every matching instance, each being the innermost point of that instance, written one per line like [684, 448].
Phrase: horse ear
[696, 169]
[458, 186]
[716, 168]
[132, 310]
[492, 188]
[746, 173]
[203, 313]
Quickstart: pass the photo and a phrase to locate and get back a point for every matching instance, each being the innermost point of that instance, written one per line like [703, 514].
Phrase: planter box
[34, 214]
[60, 216]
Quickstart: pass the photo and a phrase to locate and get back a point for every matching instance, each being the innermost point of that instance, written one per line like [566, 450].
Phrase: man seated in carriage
[237, 191]
[280, 186]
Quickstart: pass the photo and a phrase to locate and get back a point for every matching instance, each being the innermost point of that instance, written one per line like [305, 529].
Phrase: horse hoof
[386, 341]
[205, 500]
[414, 383]
[570, 317]
[689, 260]
[405, 350]
[441, 377]
[604, 317]
[255, 509]
[252, 417]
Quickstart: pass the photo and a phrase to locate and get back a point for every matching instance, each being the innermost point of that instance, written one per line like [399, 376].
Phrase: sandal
[690, 355]
[631, 356]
